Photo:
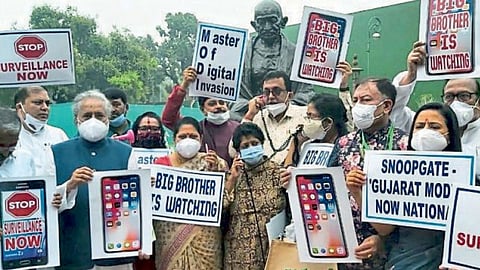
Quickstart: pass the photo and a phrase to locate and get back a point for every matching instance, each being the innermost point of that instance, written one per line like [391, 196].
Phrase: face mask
[428, 140]
[218, 118]
[252, 155]
[364, 115]
[187, 147]
[118, 121]
[314, 129]
[463, 111]
[276, 109]
[93, 130]
[33, 123]
[149, 140]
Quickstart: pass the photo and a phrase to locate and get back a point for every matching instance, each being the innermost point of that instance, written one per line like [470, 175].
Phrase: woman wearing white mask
[435, 128]
[187, 246]
[255, 195]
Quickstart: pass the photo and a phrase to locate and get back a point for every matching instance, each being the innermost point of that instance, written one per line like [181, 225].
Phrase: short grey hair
[95, 94]
[9, 120]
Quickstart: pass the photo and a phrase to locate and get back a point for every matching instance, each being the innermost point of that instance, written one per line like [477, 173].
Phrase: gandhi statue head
[268, 20]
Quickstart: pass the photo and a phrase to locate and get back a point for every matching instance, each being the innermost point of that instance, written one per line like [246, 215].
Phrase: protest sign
[315, 155]
[322, 216]
[413, 188]
[187, 196]
[218, 59]
[146, 157]
[322, 42]
[462, 236]
[29, 222]
[451, 39]
[120, 213]
[36, 57]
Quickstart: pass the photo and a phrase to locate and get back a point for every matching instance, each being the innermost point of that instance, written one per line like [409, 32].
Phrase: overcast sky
[141, 16]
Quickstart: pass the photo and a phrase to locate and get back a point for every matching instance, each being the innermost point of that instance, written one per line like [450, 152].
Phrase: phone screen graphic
[450, 37]
[121, 213]
[24, 224]
[323, 223]
[322, 46]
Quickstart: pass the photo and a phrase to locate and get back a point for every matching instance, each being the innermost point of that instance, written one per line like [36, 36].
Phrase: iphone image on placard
[323, 223]
[321, 48]
[450, 37]
[24, 224]
[122, 223]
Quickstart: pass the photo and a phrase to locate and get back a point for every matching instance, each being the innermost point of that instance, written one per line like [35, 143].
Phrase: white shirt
[402, 118]
[39, 144]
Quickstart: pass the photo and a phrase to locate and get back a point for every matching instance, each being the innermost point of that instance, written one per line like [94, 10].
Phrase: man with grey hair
[93, 151]
[36, 136]
[13, 163]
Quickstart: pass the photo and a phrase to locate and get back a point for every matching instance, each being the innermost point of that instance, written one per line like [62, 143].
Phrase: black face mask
[149, 140]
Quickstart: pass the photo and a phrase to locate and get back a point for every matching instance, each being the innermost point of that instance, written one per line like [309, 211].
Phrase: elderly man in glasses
[217, 126]
[274, 113]
[462, 95]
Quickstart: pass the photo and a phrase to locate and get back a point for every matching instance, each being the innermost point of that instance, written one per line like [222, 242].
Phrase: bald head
[269, 21]
[268, 7]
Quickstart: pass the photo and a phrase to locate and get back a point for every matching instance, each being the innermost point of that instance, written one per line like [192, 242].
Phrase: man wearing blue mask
[119, 124]
[462, 95]
[36, 136]
[217, 126]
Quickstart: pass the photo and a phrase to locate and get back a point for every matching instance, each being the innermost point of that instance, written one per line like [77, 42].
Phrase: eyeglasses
[212, 103]
[276, 91]
[462, 96]
[149, 128]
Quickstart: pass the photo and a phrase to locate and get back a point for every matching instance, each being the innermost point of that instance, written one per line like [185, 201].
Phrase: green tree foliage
[176, 51]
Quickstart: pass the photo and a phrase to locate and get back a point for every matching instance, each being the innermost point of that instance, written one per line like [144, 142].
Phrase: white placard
[413, 188]
[322, 216]
[187, 196]
[218, 59]
[451, 35]
[462, 236]
[147, 157]
[315, 155]
[29, 222]
[36, 57]
[120, 213]
[321, 44]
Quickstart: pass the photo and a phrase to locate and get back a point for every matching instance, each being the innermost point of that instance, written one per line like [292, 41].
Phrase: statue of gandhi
[268, 50]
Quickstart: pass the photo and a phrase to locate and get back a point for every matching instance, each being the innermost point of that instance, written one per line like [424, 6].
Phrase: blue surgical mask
[252, 155]
[118, 121]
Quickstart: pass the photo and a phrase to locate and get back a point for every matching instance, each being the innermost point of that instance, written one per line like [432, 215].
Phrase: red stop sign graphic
[22, 204]
[30, 47]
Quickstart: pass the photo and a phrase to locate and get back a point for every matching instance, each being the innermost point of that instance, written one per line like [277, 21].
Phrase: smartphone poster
[322, 214]
[120, 213]
[413, 188]
[29, 223]
[460, 250]
[450, 32]
[322, 42]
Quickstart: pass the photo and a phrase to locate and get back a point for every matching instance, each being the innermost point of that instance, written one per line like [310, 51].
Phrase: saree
[186, 246]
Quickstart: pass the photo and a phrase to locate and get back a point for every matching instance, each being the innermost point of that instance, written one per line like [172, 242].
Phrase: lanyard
[389, 141]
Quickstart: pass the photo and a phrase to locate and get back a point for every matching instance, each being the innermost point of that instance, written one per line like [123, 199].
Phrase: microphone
[129, 136]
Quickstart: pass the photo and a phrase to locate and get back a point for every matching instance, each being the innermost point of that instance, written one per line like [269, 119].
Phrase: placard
[120, 213]
[218, 58]
[462, 236]
[29, 223]
[413, 188]
[147, 157]
[36, 57]
[321, 44]
[451, 39]
[315, 155]
[322, 215]
[187, 196]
